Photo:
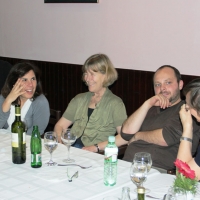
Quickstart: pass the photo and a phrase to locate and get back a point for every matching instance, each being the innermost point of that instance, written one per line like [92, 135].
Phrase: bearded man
[156, 127]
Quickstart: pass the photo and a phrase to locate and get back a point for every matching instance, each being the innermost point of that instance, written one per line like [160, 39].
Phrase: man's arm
[154, 137]
[133, 123]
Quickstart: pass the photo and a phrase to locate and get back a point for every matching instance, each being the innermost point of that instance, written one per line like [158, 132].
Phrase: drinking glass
[138, 172]
[50, 143]
[172, 195]
[68, 138]
[145, 157]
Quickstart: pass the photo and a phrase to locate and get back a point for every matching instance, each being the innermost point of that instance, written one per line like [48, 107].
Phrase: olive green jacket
[109, 113]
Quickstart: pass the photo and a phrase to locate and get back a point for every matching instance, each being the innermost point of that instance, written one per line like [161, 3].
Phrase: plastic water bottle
[110, 162]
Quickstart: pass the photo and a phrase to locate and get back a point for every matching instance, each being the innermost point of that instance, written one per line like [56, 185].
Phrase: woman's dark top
[78, 142]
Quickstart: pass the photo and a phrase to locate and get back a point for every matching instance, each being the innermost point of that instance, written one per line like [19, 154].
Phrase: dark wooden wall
[61, 82]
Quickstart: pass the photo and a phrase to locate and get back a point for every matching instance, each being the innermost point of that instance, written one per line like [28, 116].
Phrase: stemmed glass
[138, 173]
[50, 143]
[68, 138]
[145, 157]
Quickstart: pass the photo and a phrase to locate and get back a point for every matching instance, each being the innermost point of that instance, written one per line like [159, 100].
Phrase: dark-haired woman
[23, 87]
[191, 108]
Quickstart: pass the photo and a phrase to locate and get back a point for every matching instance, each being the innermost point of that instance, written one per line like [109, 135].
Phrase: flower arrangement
[185, 180]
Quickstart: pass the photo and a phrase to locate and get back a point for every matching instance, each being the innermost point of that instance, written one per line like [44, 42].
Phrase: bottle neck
[17, 117]
[17, 113]
[35, 132]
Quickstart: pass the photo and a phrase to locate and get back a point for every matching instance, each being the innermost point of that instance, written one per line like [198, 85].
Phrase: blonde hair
[101, 63]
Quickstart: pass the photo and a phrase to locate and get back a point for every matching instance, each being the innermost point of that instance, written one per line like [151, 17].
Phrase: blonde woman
[98, 113]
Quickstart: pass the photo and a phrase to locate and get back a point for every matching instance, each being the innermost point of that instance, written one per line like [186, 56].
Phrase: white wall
[135, 34]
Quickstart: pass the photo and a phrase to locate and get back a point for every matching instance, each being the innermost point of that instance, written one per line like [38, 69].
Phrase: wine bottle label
[24, 137]
[36, 158]
[15, 140]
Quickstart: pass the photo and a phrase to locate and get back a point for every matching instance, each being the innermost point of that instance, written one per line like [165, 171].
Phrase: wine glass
[138, 173]
[145, 157]
[68, 138]
[50, 143]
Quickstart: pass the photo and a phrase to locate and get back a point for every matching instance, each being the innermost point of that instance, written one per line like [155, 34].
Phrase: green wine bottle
[36, 148]
[18, 138]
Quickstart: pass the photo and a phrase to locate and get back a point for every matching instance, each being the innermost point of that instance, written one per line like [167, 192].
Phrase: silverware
[74, 165]
[73, 176]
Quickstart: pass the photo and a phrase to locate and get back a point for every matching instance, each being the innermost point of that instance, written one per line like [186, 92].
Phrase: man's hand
[133, 139]
[159, 100]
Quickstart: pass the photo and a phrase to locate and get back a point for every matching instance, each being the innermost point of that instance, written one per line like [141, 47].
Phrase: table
[21, 182]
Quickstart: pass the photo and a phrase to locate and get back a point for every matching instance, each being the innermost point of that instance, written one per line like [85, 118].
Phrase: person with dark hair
[156, 127]
[96, 114]
[23, 86]
[191, 108]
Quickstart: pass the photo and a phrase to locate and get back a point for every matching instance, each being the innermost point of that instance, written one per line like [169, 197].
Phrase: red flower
[184, 169]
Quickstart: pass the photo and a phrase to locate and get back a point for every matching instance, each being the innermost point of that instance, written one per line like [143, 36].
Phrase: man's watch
[96, 145]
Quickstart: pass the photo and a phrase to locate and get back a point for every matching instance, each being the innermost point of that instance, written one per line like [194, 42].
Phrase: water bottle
[36, 148]
[18, 138]
[110, 162]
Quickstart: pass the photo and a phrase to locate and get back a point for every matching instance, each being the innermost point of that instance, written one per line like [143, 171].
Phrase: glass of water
[50, 144]
[138, 172]
[68, 138]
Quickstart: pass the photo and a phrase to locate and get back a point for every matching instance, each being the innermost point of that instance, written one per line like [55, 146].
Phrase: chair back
[54, 117]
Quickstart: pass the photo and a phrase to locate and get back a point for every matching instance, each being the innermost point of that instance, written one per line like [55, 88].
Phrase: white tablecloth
[21, 182]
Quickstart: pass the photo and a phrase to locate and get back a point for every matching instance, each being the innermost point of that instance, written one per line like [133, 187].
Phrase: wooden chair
[54, 117]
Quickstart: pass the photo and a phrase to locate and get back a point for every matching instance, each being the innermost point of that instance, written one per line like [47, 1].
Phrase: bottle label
[24, 137]
[15, 140]
[111, 154]
[36, 158]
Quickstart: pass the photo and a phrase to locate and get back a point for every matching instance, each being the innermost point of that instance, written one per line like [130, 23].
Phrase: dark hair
[18, 71]
[176, 72]
[101, 63]
[194, 88]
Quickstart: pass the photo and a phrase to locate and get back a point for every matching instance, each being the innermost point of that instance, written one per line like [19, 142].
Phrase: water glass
[172, 195]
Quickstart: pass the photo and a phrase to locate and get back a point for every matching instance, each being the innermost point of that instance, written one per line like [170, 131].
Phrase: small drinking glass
[50, 143]
[68, 138]
[173, 195]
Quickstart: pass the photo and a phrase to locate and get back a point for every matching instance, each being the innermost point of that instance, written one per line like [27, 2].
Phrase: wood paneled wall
[61, 82]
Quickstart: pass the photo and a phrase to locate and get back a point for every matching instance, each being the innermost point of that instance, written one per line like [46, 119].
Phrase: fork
[74, 165]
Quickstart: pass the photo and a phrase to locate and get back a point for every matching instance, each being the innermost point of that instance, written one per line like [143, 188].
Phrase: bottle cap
[141, 190]
[111, 139]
